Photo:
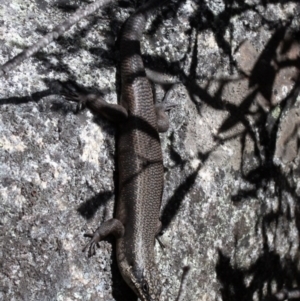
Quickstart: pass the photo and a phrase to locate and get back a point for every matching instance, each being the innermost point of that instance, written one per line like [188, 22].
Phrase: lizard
[140, 163]
[136, 221]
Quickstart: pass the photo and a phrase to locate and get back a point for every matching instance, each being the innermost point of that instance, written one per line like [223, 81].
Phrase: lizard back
[139, 156]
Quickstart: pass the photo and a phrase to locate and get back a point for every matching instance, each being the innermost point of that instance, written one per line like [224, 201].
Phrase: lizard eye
[145, 287]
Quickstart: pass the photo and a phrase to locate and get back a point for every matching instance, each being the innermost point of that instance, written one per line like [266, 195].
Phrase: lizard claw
[71, 93]
[80, 99]
[91, 235]
[81, 105]
[92, 248]
[91, 245]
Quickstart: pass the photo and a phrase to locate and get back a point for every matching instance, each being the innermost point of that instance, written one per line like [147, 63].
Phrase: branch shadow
[269, 266]
[271, 272]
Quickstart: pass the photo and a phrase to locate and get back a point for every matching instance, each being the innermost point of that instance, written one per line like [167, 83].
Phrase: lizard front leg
[95, 103]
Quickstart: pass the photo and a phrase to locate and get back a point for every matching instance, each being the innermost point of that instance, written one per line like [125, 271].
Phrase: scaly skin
[140, 165]
[140, 169]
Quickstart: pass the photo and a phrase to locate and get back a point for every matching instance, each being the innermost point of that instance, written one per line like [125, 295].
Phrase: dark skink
[140, 164]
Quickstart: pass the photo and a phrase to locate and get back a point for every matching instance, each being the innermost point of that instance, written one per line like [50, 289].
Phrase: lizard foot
[73, 92]
[91, 245]
[111, 226]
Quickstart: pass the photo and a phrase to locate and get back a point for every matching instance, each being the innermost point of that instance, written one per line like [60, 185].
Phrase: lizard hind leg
[161, 109]
[158, 233]
[111, 226]
[161, 116]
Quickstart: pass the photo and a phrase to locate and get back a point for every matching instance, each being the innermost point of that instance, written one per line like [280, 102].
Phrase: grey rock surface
[231, 200]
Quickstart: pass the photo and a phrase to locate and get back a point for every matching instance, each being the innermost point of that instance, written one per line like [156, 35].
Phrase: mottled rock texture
[231, 199]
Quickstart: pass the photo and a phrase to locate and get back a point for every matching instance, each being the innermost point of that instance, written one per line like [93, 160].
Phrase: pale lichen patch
[12, 143]
[93, 139]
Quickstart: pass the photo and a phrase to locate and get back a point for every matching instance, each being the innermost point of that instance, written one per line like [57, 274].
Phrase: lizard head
[146, 283]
